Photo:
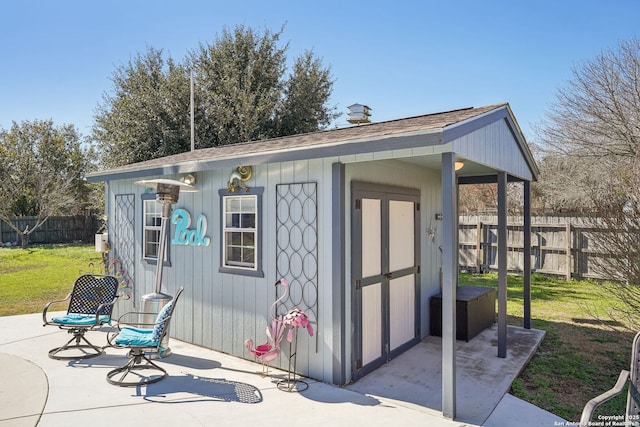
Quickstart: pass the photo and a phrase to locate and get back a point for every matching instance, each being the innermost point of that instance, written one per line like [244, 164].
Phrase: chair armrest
[607, 395]
[122, 320]
[101, 306]
[46, 308]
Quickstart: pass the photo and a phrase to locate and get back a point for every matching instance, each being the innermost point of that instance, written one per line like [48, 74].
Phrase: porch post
[502, 264]
[526, 266]
[449, 283]
[338, 288]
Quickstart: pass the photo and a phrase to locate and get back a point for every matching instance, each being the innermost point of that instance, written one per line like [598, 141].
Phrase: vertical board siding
[494, 146]
[220, 310]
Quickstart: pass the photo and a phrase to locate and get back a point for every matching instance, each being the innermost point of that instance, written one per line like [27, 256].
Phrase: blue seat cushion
[136, 337]
[80, 319]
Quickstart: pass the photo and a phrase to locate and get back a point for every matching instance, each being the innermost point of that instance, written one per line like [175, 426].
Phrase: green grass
[29, 278]
[584, 349]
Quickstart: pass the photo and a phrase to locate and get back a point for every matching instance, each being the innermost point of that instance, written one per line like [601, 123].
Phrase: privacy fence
[560, 246]
[63, 229]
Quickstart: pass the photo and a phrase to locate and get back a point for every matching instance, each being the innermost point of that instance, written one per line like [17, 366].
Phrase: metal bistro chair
[90, 305]
[630, 378]
[142, 340]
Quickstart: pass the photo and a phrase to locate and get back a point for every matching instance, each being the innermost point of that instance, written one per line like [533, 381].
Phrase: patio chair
[143, 340]
[626, 378]
[90, 305]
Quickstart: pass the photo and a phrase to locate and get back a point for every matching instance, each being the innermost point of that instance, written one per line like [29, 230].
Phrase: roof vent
[358, 114]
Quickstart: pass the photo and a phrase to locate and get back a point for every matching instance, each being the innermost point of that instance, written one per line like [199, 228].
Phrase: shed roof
[429, 129]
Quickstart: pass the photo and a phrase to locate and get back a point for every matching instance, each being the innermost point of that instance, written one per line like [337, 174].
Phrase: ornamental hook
[238, 177]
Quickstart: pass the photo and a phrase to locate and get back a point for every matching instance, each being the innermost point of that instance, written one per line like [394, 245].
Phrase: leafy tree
[241, 95]
[147, 115]
[41, 173]
[306, 93]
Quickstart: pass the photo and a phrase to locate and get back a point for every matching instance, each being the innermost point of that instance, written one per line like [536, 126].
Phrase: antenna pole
[193, 142]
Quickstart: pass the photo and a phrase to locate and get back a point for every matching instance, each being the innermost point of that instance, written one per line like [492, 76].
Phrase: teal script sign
[189, 236]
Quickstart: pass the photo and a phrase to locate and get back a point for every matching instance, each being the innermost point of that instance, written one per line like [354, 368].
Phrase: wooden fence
[560, 246]
[62, 229]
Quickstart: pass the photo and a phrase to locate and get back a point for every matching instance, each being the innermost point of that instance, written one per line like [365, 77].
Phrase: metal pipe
[166, 214]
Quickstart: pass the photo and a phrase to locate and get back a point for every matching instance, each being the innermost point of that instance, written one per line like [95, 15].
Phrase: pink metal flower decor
[295, 318]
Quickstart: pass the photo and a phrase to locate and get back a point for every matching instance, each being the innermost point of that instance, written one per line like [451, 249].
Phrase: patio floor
[211, 388]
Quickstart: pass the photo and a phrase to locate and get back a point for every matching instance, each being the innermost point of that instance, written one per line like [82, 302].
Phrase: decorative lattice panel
[297, 246]
[122, 264]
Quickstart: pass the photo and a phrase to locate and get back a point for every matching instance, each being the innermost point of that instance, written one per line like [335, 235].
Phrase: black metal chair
[143, 340]
[90, 305]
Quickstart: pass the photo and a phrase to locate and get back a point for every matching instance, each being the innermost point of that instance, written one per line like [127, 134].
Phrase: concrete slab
[512, 411]
[207, 387]
[482, 377]
[23, 391]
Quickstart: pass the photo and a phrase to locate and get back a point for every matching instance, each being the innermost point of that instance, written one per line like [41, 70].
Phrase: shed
[362, 221]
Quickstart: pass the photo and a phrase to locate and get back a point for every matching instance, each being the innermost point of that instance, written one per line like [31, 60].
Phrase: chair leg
[137, 360]
[78, 335]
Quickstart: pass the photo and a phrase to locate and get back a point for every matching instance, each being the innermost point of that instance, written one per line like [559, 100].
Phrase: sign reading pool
[189, 236]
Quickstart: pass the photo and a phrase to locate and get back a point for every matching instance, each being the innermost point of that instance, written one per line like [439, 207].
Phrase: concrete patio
[207, 387]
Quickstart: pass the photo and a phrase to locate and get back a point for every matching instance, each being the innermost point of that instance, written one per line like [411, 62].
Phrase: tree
[593, 128]
[41, 173]
[598, 113]
[241, 95]
[147, 115]
[306, 93]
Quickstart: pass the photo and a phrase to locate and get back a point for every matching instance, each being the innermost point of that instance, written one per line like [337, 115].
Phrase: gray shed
[360, 220]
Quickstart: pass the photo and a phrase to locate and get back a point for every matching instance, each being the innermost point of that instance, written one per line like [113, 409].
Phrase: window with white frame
[241, 233]
[151, 225]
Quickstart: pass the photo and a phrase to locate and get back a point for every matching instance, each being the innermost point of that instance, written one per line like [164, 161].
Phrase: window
[241, 233]
[151, 225]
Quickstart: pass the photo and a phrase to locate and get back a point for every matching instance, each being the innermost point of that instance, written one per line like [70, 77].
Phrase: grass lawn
[29, 278]
[580, 356]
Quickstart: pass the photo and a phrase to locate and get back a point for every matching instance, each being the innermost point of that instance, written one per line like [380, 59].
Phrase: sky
[401, 58]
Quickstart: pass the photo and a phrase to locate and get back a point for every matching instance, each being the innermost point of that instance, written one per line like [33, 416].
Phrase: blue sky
[402, 58]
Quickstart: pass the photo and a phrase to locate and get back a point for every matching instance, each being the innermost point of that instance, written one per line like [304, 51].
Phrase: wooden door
[385, 272]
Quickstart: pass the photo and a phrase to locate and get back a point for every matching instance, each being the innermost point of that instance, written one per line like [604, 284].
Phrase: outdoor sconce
[188, 179]
[458, 165]
[238, 177]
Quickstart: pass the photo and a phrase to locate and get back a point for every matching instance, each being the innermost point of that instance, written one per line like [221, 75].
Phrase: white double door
[385, 266]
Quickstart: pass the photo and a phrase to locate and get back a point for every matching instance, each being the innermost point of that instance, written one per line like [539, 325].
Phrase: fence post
[568, 251]
[478, 247]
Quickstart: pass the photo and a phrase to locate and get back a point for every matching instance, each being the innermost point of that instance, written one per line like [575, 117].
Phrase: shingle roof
[412, 125]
